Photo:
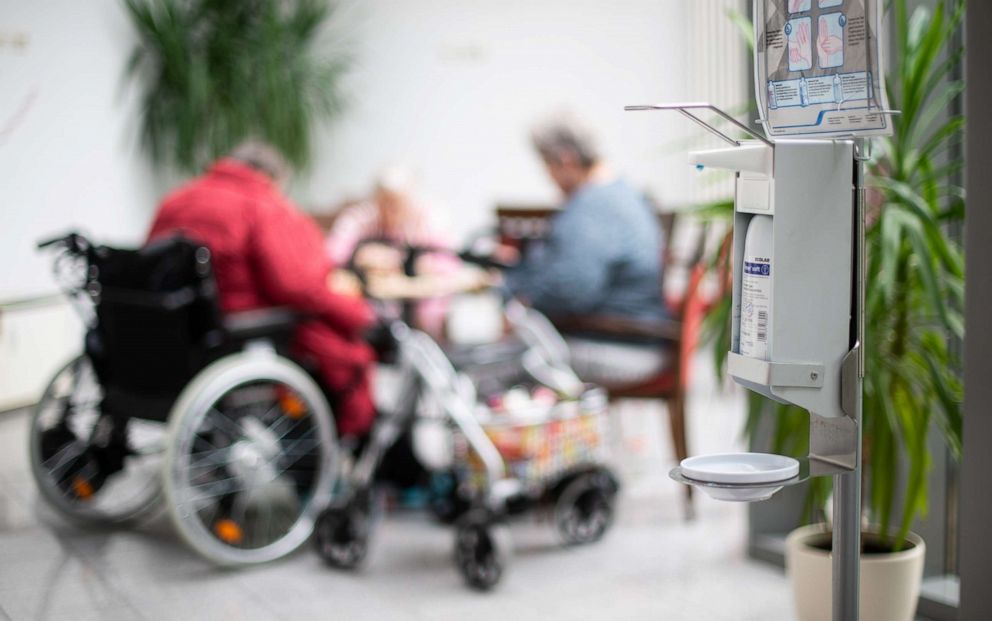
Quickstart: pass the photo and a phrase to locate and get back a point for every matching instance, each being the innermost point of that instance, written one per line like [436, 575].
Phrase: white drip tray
[741, 477]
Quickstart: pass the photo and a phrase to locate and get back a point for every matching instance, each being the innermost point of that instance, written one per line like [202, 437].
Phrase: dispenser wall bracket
[833, 444]
[850, 382]
[833, 441]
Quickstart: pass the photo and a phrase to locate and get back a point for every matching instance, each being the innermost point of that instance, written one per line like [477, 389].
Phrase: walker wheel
[584, 509]
[482, 548]
[341, 535]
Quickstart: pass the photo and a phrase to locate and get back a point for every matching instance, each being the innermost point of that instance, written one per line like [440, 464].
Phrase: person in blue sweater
[602, 256]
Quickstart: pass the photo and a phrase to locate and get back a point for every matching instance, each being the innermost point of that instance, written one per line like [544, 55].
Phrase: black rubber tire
[482, 548]
[584, 507]
[341, 534]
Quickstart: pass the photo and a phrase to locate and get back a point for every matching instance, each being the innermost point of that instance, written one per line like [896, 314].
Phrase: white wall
[452, 87]
[68, 156]
[449, 86]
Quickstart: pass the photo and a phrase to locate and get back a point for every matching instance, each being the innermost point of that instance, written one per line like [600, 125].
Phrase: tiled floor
[652, 565]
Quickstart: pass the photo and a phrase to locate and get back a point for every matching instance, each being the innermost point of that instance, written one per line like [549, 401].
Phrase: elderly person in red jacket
[268, 253]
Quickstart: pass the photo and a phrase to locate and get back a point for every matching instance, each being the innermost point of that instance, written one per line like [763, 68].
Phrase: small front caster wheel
[584, 509]
[482, 548]
[341, 534]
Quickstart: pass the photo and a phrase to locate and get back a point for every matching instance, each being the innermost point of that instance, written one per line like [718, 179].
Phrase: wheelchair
[173, 399]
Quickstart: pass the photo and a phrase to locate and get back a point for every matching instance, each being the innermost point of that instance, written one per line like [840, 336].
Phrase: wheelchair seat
[272, 322]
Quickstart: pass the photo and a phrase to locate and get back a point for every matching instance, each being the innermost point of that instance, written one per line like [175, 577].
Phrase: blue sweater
[601, 257]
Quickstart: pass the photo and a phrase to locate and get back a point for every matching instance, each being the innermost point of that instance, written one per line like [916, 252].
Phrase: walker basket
[540, 444]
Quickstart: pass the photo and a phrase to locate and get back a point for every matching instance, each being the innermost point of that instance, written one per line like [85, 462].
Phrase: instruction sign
[817, 67]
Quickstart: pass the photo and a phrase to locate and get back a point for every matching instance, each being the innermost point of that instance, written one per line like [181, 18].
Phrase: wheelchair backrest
[158, 318]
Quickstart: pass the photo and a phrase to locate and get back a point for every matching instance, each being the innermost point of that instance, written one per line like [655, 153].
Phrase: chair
[680, 334]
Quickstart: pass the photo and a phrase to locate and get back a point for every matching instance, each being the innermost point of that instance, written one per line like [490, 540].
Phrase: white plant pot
[890, 582]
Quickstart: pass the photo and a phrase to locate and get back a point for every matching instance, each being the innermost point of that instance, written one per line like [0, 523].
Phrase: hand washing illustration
[800, 44]
[830, 40]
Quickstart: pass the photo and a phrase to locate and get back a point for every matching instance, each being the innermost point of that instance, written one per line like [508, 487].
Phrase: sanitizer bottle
[756, 289]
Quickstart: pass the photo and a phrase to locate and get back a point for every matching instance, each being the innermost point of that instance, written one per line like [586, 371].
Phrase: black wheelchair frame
[156, 341]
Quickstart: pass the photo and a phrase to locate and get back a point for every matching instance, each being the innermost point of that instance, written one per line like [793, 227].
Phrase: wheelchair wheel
[90, 466]
[583, 509]
[250, 460]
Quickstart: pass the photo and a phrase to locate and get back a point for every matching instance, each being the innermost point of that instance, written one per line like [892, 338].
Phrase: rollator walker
[546, 455]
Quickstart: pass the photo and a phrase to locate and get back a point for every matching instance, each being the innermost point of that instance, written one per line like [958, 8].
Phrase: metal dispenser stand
[814, 191]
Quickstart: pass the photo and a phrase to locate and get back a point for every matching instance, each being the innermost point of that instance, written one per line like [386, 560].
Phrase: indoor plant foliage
[915, 282]
[215, 72]
[915, 297]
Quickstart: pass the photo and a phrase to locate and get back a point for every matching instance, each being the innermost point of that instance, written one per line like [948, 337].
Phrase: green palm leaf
[215, 72]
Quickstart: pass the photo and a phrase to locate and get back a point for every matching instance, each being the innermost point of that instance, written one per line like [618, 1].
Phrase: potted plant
[915, 293]
[215, 72]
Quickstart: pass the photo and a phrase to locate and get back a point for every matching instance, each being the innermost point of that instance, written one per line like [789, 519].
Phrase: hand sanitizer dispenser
[792, 263]
[793, 337]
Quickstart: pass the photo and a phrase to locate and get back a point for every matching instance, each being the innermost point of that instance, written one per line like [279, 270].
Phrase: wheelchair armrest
[669, 330]
[260, 323]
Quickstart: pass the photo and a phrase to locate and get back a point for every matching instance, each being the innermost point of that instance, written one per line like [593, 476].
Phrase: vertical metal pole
[846, 546]
[847, 486]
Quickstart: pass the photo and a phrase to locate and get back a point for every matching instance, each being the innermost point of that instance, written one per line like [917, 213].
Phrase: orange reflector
[228, 531]
[292, 406]
[82, 488]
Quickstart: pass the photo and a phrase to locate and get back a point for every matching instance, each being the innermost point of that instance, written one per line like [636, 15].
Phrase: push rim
[251, 460]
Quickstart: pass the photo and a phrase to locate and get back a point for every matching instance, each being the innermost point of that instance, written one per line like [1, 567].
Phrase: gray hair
[262, 157]
[564, 134]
